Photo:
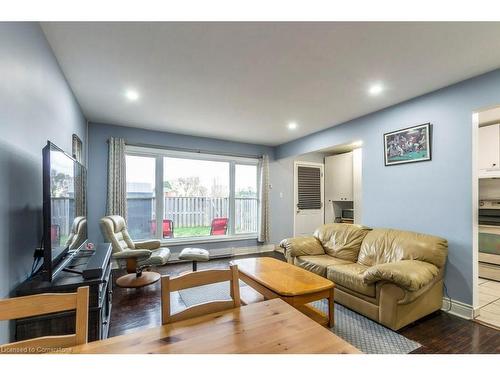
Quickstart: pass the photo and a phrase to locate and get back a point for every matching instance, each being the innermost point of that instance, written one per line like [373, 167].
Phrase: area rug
[363, 333]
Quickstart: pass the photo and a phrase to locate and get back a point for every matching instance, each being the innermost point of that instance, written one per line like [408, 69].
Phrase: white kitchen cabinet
[339, 177]
[489, 149]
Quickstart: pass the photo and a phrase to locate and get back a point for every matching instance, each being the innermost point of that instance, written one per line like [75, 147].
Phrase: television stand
[70, 270]
[63, 323]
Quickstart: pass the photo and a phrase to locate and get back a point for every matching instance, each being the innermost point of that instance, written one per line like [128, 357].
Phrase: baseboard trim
[457, 308]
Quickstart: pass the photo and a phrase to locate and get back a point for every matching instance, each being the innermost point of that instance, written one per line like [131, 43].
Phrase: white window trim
[159, 154]
[207, 239]
[150, 151]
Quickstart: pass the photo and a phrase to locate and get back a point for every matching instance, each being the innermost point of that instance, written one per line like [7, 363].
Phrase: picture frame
[76, 148]
[408, 145]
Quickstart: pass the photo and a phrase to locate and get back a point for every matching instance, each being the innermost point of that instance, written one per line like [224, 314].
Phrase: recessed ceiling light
[292, 125]
[375, 89]
[132, 95]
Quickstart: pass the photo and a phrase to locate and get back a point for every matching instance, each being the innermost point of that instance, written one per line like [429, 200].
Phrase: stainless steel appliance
[489, 239]
[347, 214]
[489, 212]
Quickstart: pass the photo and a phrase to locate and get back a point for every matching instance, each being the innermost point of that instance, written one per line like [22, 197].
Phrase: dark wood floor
[135, 309]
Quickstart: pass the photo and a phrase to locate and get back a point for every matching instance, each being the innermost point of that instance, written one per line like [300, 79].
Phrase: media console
[96, 267]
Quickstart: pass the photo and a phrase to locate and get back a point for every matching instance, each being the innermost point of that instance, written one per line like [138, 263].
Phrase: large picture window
[141, 195]
[177, 196]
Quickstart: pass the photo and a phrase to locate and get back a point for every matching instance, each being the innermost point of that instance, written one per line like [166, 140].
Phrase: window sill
[195, 240]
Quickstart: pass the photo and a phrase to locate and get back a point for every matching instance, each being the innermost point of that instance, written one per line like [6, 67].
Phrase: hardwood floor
[444, 333]
[135, 309]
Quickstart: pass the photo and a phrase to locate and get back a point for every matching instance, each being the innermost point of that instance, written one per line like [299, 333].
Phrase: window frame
[159, 154]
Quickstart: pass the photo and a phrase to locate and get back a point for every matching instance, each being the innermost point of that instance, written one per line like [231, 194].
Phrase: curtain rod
[197, 151]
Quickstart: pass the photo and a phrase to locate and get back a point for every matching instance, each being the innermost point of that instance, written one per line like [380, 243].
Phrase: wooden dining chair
[47, 303]
[194, 279]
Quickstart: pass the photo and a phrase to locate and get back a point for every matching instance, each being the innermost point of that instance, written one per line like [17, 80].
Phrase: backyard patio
[189, 216]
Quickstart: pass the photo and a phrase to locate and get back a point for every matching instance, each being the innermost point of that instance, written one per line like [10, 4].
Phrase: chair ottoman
[195, 255]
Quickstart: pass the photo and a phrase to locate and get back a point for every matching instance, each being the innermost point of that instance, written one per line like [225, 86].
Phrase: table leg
[331, 309]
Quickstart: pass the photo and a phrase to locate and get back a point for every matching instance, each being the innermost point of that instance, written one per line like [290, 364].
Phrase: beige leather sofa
[391, 276]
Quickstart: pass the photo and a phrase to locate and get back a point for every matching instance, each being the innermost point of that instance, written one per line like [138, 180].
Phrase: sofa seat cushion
[318, 263]
[350, 276]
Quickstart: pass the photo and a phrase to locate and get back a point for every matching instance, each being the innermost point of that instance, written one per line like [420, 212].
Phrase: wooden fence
[189, 212]
[245, 211]
[195, 211]
[62, 212]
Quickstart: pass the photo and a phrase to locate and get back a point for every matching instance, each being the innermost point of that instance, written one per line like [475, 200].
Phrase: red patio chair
[168, 228]
[219, 226]
[54, 233]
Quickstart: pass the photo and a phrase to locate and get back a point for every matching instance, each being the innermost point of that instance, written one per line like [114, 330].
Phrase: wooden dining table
[268, 327]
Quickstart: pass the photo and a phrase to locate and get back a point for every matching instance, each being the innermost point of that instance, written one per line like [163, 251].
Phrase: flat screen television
[64, 209]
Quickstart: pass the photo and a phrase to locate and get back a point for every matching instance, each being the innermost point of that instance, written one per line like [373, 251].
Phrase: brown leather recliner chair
[391, 276]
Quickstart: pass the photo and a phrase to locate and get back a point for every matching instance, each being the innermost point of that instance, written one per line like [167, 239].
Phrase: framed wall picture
[408, 145]
[77, 148]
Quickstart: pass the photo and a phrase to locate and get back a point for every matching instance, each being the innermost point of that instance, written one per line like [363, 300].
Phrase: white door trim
[357, 184]
[475, 208]
[296, 163]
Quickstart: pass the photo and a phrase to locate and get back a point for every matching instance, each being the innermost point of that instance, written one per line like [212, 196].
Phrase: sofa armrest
[150, 245]
[408, 274]
[132, 254]
[298, 246]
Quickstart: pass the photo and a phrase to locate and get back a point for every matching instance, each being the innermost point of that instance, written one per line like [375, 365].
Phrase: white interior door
[308, 197]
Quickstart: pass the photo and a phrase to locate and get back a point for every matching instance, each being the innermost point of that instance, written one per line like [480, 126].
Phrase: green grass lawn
[191, 232]
[178, 233]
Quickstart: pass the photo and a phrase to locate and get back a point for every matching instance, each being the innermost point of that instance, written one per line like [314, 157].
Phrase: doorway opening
[486, 215]
[339, 197]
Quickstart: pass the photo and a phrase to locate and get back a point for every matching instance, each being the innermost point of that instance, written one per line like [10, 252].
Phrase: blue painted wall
[432, 197]
[282, 210]
[36, 105]
[98, 159]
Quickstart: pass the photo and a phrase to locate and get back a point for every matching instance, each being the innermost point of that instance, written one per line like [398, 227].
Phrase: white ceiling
[246, 81]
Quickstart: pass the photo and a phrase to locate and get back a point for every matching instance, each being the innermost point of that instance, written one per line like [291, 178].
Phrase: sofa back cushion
[391, 245]
[341, 241]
